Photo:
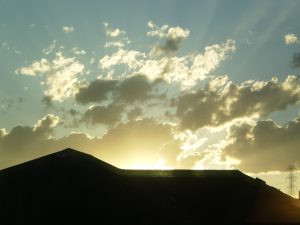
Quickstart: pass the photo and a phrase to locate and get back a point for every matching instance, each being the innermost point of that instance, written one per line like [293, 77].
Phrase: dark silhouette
[70, 187]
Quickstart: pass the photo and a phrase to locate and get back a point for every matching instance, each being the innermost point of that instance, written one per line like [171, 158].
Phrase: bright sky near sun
[153, 84]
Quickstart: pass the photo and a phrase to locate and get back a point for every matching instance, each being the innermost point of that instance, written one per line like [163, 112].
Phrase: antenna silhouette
[291, 180]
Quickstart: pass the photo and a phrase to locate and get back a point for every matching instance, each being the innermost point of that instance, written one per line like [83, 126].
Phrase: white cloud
[127, 57]
[117, 44]
[78, 51]
[175, 33]
[36, 68]
[60, 75]
[50, 48]
[47, 123]
[290, 39]
[63, 82]
[67, 29]
[113, 32]
[156, 31]
[185, 71]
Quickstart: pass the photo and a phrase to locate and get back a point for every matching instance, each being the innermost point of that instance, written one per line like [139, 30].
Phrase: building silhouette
[70, 187]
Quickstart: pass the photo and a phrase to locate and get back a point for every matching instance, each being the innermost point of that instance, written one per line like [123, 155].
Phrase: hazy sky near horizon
[152, 84]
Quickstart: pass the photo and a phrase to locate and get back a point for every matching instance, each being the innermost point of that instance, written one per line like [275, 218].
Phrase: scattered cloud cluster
[118, 37]
[185, 71]
[162, 109]
[222, 101]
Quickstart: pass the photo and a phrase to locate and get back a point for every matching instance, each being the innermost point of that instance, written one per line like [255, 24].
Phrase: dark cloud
[107, 115]
[135, 88]
[170, 46]
[23, 142]
[127, 98]
[143, 142]
[296, 60]
[173, 37]
[73, 112]
[265, 146]
[220, 102]
[134, 113]
[95, 91]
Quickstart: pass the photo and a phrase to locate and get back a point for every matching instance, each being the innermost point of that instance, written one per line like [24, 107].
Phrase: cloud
[188, 70]
[118, 37]
[114, 44]
[24, 142]
[135, 89]
[67, 29]
[290, 39]
[63, 82]
[36, 68]
[78, 51]
[134, 114]
[264, 145]
[113, 32]
[119, 99]
[222, 101]
[203, 64]
[45, 126]
[185, 71]
[143, 142]
[95, 91]
[296, 59]
[173, 37]
[106, 115]
[126, 57]
[61, 75]
[50, 48]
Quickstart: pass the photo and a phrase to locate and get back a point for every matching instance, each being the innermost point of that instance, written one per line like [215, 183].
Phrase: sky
[153, 84]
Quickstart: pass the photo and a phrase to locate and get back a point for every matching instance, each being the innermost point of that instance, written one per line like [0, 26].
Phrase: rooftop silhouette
[71, 187]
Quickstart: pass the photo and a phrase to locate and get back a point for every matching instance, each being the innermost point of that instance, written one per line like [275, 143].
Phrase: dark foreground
[70, 187]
